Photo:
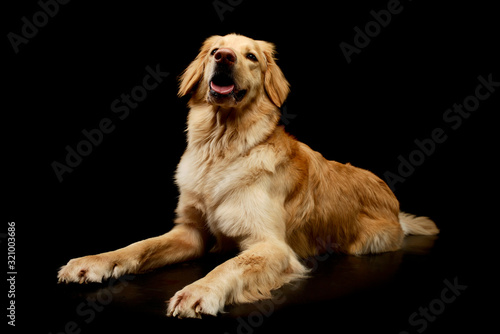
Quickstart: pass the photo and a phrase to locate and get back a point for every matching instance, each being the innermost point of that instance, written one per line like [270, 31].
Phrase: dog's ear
[275, 83]
[192, 75]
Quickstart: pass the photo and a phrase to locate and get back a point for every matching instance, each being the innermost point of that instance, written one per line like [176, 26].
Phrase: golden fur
[244, 181]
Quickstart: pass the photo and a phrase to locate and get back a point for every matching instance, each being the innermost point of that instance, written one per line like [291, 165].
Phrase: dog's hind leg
[376, 235]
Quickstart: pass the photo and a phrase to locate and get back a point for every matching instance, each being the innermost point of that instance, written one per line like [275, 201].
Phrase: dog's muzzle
[222, 83]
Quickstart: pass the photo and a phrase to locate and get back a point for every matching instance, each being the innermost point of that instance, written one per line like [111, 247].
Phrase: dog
[244, 182]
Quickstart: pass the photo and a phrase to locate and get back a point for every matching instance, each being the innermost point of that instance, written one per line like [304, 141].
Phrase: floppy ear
[275, 83]
[189, 79]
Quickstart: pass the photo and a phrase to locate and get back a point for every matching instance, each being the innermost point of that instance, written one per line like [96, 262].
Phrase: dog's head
[232, 70]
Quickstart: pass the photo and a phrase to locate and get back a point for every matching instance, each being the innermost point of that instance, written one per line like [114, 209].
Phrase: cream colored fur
[244, 181]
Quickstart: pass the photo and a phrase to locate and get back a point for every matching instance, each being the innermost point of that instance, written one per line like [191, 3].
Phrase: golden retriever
[245, 182]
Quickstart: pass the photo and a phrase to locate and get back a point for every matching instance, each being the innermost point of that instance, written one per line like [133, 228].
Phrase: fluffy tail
[412, 224]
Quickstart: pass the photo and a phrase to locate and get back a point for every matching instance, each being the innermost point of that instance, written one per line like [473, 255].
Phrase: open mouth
[222, 86]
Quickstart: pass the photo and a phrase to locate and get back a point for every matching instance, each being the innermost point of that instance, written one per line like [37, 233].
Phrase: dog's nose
[225, 56]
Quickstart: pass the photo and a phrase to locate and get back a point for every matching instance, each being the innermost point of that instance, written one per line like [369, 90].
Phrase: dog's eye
[213, 51]
[251, 56]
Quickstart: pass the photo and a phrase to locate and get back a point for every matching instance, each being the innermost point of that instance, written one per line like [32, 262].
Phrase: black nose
[225, 56]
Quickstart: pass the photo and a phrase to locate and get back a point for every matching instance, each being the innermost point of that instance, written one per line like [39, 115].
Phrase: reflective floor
[423, 287]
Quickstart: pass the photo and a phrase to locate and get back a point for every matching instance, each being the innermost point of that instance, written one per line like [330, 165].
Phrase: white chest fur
[235, 193]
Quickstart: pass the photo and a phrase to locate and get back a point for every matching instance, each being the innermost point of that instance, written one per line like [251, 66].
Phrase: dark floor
[425, 287]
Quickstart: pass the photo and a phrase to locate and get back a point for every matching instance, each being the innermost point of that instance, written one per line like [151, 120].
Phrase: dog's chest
[203, 176]
[214, 178]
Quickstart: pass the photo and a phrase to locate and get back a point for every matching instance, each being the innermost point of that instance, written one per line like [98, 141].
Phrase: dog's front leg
[183, 242]
[251, 276]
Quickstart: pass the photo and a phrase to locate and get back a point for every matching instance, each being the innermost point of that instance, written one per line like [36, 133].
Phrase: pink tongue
[224, 90]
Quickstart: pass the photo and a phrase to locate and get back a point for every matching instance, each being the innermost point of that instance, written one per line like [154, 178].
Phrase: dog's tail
[412, 224]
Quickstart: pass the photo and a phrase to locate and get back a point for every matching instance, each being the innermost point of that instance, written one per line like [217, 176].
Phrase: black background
[367, 112]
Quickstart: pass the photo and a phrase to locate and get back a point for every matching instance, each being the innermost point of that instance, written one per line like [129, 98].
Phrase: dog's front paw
[93, 268]
[195, 300]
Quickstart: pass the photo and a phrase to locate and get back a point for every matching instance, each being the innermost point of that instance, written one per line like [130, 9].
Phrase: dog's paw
[93, 268]
[195, 300]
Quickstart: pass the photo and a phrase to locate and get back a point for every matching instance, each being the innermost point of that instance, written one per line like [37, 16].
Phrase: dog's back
[336, 206]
